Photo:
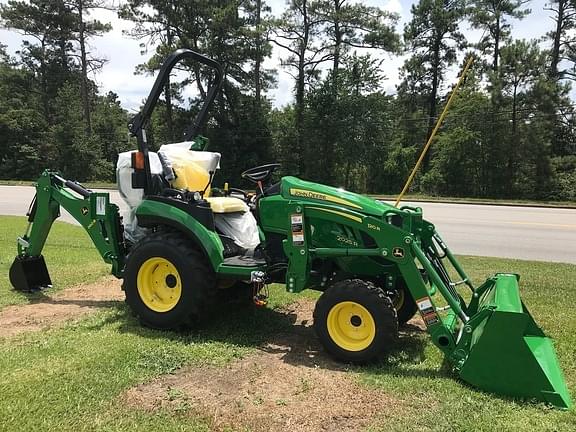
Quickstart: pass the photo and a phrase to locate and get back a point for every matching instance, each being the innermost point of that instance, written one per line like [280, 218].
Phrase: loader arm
[92, 210]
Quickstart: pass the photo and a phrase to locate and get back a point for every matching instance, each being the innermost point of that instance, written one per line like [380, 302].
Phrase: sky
[124, 54]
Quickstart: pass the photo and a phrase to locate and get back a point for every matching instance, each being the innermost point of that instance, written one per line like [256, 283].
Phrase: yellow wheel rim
[159, 284]
[351, 326]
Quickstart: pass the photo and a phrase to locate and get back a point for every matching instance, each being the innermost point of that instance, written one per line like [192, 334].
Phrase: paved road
[543, 234]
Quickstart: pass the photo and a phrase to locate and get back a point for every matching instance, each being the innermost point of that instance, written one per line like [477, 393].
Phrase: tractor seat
[227, 205]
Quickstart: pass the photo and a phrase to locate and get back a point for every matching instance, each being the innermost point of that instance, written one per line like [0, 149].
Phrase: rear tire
[168, 283]
[355, 321]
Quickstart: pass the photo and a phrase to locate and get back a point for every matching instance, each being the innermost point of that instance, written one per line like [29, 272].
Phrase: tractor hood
[293, 187]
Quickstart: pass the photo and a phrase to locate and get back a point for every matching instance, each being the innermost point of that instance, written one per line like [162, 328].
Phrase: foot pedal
[29, 274]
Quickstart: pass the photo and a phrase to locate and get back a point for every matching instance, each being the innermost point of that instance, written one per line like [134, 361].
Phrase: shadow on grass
[281, 333]
[39, 297]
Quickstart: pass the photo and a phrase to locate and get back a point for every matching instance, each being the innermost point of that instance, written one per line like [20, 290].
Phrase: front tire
[168, 284]
[403, 302]
[355, 321]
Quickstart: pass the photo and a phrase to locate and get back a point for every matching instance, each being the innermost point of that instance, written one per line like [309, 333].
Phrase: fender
[151, 213]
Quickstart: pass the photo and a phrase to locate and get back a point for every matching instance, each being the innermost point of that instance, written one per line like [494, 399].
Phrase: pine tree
[491, 16]
[84, 29]
[349, 26]
[434, 38]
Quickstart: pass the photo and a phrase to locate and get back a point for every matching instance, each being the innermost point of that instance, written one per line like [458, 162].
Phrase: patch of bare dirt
[289, 384]
[51, 310]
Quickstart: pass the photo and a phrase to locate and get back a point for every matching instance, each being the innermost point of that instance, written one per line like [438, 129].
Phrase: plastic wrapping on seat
[132, 196]
[132, 231]
[210, 161]
[192, 168]
[241, 227]
[227, 205]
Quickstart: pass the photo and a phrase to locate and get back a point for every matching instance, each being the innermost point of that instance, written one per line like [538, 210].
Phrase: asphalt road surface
[542, 234]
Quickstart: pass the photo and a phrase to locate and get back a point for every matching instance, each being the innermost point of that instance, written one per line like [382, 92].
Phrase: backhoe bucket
[508, 353]
[29, 274]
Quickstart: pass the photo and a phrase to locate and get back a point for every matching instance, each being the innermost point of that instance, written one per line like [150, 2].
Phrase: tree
[353, 25]
[84, 30]
[109, 130]
[434, 38]
[563, 42]
[230, 32]
[349, 128]
[77, 153]
[491, 16]
[522, 68]
[296, 32]
[23, 147]
[57, 26]
[49, 25]
[154, 24]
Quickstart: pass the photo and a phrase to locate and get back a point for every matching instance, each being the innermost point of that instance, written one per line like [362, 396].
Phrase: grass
[70, 257]
[71, 378]
[438, 402]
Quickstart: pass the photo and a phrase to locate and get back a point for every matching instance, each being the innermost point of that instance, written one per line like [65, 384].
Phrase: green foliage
[492, 17]
[511, 132]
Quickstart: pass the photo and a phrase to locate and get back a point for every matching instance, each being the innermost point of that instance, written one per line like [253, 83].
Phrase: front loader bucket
[508, 353]
[29, 274]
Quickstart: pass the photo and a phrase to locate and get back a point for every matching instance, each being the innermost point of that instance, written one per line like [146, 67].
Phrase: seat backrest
[192, 168]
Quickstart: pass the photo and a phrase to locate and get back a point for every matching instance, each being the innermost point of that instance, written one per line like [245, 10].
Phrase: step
[244, 261]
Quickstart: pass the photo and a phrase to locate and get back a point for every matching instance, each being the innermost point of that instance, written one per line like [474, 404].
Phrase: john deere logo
[398, 252]
[84, 210]
[307, 194]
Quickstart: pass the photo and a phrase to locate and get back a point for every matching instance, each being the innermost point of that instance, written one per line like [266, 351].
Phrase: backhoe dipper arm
[92, 210]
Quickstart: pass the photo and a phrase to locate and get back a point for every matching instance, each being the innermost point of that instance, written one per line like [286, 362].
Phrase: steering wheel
[260, 174]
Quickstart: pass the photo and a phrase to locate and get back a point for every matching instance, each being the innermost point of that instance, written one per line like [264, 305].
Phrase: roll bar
[138, 123]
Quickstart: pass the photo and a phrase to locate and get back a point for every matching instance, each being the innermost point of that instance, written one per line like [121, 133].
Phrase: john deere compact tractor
[183, 243]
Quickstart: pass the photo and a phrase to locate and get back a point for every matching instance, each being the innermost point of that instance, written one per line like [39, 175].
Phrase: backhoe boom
[92, 210]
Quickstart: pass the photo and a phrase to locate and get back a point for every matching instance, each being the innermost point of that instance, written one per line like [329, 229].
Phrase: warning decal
[427, 311]
[297, 228]
[425, 305]
[296, 219]
[298, 237]
[101, 206]
[430, 319]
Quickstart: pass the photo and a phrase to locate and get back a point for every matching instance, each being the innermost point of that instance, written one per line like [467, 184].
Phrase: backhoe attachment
[92, 210]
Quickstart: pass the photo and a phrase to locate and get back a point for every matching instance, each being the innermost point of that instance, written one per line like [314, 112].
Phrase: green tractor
[185, 243]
